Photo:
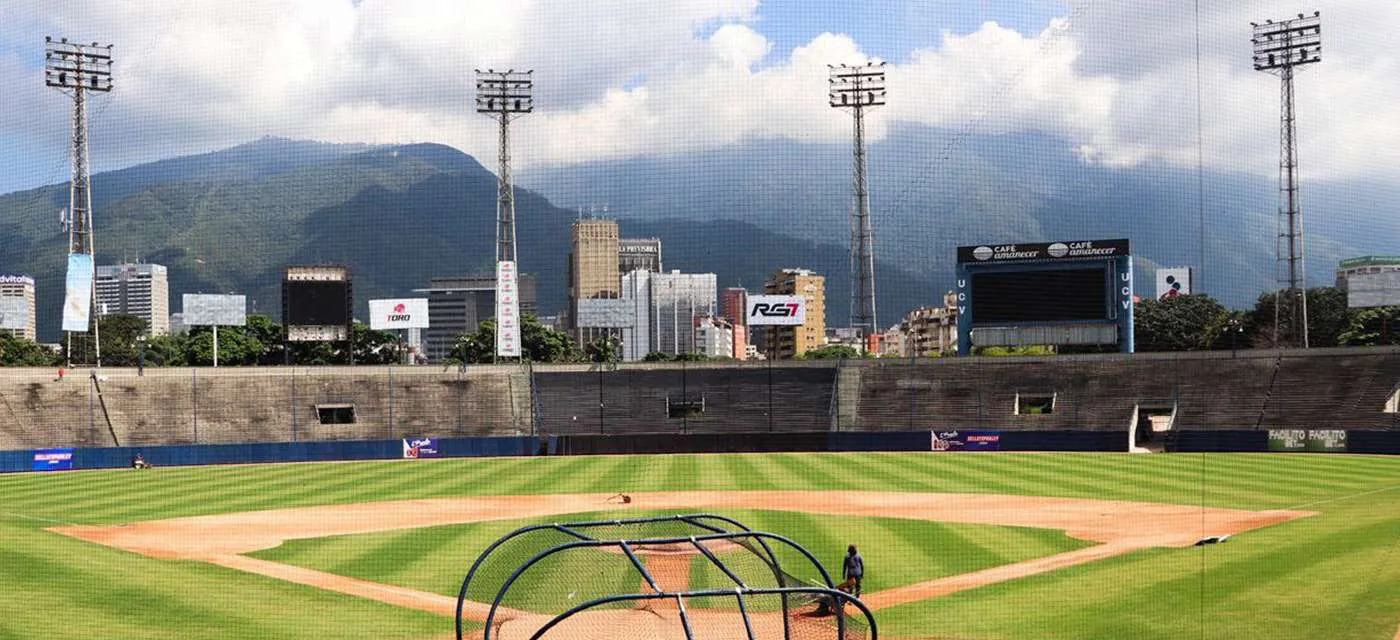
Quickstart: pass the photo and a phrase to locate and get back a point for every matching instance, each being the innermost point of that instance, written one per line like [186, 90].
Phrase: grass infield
[1336, 575]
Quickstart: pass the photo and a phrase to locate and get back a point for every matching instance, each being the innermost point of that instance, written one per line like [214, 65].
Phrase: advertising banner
[421, 448]
[53, 459]
[965, 441]
[209, 310]
[14, 313]
[507, 311]
[77, 297]
[1173, 282]
[788, 311]
[1308, 440]
[1326, 441]
[400, 313]
[1068, 250]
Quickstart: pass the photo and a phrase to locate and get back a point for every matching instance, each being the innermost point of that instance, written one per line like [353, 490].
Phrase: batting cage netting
[686, 576]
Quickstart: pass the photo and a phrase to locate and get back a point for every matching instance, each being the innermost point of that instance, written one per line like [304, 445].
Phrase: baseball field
[956, 545]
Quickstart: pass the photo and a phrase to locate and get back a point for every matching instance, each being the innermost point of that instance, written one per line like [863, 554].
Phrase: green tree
[1372, 326]
[831, 352]
[166, 351]
[538, 343]
[19, 352]
[236, 347]
[120, 335]
[604, 349]
[377, 347]
[1183, 323]
[1328, 317]
[272, 336]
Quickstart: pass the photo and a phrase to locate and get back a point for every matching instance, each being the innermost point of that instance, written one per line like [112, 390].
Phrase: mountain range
[230, 220]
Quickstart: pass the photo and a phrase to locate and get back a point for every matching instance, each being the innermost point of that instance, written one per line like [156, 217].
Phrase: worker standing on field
[853, 569]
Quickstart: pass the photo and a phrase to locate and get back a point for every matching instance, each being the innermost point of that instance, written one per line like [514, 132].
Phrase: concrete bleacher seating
[1317, 389]
[1337, 388]
[635, 400]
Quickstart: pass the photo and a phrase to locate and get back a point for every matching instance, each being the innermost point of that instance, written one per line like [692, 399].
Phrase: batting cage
[693, 577]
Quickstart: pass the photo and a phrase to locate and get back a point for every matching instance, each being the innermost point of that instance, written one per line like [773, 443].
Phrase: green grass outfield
[1333, 576]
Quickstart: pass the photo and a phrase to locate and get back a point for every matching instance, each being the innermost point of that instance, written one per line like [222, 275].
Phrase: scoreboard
[1072, 292]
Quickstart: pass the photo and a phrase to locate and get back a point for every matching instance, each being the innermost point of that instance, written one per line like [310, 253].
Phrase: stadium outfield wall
[1355, 390]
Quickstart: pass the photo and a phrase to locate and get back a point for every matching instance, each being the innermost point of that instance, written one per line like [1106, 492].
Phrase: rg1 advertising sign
[405, 313]
[420, 448]
[507, 311]
[53, 459]
[790, 311]
[965, 441]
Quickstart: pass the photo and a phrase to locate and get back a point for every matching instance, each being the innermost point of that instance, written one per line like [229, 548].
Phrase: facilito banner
[53, 459]
[77, 298]
[1308, 440]
[507, 311]
[421, 448]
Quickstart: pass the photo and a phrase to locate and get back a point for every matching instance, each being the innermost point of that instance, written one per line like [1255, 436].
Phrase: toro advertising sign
[402, 313]
[1068, 250]
[777, 310]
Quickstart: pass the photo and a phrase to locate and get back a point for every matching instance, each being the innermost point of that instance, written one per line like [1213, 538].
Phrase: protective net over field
[642, 573]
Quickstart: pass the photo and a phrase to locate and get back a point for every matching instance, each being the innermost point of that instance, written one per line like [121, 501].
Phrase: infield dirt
[1118, 526]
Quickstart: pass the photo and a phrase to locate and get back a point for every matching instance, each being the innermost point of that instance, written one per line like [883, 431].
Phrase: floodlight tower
[858, 88]
[1279, 49]
[76, 69]
[505, 96]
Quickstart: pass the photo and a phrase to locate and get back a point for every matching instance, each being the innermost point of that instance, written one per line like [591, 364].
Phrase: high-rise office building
[790, 342]
[593, 270]
[458, 305]
[18, 292]
[639, 254]
[676, 300]
[140, 290]
[733, 304]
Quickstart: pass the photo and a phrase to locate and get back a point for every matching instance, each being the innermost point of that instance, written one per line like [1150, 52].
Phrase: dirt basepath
[1120, 527]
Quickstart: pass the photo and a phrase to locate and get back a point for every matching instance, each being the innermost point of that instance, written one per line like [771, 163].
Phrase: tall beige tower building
[140, 290]
[790, 342]
[593, 266]
[18, 292]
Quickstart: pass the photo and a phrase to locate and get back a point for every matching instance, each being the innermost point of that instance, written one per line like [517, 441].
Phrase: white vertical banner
[507, 311]
[77, 297]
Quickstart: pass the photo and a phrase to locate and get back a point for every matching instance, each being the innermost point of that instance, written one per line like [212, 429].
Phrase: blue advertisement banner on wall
[421, 448]
[53, 459]
[965, 441]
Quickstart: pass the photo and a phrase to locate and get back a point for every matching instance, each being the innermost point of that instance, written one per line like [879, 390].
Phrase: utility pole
[858, 88]
[504, 96]
[1279, 48]
[76, 69]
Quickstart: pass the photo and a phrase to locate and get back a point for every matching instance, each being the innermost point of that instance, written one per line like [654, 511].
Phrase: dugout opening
[1151, 425]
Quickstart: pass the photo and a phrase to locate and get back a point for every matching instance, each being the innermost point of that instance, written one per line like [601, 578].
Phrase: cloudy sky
[1117, 80]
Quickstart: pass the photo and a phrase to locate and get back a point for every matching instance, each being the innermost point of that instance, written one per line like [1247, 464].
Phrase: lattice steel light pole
[1279, 48]
[858, 88]
[504, 96]
[76, 69]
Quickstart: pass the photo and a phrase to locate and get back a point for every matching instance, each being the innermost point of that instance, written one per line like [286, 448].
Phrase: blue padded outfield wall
[200, 454]
[1382, 442]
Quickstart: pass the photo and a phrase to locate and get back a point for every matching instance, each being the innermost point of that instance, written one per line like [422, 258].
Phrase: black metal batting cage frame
[789, 589]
